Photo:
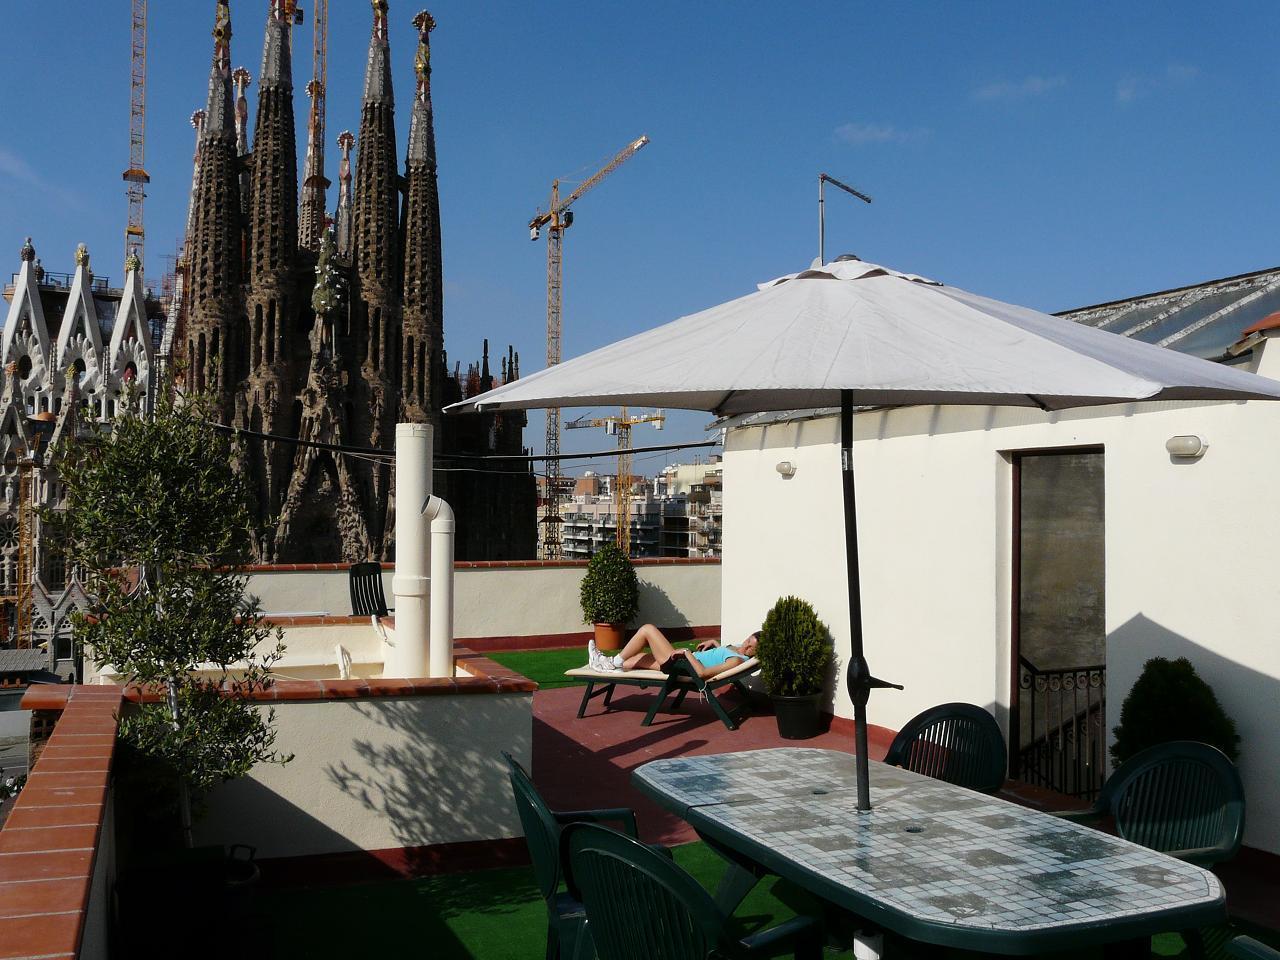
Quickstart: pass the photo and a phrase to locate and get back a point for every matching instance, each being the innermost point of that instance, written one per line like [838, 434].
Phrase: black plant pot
[798, 717]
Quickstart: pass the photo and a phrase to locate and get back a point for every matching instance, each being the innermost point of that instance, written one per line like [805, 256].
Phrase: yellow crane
[136, 176]
[621, 426]
[557, 219]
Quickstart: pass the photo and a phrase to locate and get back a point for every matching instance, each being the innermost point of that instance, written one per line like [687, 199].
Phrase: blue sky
[1051, 155]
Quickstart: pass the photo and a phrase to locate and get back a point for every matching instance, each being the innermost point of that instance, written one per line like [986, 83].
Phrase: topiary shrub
[795, 649]
[1168, 702]
[610, 590]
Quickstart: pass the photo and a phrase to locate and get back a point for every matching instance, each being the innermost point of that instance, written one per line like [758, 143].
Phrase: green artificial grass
[498, 915]
[547, 667]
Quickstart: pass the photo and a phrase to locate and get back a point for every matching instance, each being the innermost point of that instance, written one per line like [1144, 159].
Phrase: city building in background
[677, 513]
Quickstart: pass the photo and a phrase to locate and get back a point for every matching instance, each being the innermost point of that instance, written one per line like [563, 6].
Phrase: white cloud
[1134, 86]
[863, 133]
[16, 170]
[1014, 90]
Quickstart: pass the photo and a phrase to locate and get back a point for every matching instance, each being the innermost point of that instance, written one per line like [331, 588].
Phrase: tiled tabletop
[936, 862]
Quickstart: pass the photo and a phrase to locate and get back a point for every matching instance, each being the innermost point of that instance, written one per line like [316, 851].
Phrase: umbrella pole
[859, 676]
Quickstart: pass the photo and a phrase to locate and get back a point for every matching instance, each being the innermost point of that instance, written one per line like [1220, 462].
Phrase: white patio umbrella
[851, 333]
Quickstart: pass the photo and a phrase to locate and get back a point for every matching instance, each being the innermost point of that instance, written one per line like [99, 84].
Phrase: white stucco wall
[513, 601]
[1190, 552]
[377, 773]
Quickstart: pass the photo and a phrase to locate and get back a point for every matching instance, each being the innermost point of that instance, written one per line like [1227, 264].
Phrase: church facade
[334, 336]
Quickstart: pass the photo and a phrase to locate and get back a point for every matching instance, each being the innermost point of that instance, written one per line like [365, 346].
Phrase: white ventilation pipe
[440, 515]
[407, 657]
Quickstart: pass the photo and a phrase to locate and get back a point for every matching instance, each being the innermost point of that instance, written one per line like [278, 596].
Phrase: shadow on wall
[1249, 697]
[656, 607]
[428, 787]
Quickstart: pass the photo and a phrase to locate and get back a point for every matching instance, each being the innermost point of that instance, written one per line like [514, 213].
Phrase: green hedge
[1168, 702]
[795, 649]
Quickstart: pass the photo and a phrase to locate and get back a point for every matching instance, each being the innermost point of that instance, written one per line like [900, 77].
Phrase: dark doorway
[1058, 702]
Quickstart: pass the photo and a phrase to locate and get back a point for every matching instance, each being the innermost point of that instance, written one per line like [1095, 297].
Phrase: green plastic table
[932, 862]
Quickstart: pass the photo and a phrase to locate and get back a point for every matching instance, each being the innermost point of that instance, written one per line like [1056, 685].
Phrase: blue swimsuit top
[718, 656]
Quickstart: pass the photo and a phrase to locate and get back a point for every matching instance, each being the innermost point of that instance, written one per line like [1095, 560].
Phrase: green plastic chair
[640, 905]
[1247, 948]
[957, 742]
[1182, 798]
[566, 918]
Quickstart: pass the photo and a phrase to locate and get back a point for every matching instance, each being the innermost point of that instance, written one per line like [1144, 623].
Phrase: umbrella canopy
[893, 338]
[851, 333]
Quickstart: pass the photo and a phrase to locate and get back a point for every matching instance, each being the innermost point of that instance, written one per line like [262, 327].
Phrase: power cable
[374, 453]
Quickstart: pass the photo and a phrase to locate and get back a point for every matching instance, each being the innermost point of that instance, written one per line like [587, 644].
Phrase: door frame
[1015, 578]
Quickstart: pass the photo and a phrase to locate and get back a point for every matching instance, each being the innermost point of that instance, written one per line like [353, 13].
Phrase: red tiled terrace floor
[587, 763]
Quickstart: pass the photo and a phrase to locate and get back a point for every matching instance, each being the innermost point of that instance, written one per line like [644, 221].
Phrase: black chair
[566, 919]
[367, 598]
[641, 905]
[1182, 798]
[1247, 948]
[957, 742]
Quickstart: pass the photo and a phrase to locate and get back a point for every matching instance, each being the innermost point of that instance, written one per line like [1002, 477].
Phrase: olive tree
[157, 522]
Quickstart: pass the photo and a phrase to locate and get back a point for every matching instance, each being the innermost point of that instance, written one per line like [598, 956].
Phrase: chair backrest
[1247, 948]
[541, 831]
[367, 598]
[639, 904]
[1181, 795]
[957, 742]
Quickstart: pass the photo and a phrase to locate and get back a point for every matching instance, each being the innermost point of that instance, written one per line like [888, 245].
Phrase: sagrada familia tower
[333, 335]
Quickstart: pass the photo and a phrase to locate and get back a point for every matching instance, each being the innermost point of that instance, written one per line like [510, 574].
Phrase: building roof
[1203, 319]
[31, 660]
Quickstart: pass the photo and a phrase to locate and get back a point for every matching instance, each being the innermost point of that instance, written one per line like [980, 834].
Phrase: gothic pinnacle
[219, 115]
[277, 59]
[377, 77]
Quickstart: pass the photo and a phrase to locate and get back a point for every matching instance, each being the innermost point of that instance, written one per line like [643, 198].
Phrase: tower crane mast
[558, 218]
[621, 425]
[136, 176]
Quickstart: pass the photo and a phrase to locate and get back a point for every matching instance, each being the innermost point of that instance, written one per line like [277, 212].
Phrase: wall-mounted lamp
[1186, 447]
[786, 469]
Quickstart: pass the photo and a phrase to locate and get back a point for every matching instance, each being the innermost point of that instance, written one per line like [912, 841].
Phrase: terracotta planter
[610, 636]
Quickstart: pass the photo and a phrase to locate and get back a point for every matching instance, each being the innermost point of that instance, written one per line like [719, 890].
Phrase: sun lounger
[681, 681]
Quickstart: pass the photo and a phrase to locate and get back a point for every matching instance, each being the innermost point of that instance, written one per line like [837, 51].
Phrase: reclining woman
[649, 649]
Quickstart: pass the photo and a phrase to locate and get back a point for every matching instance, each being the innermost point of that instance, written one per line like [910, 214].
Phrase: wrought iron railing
[1062, 728]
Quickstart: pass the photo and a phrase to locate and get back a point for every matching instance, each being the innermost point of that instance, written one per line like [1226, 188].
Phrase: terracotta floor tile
[45, 866]
[36, 839]
[87, 814]
[40, 936]
[43, 896]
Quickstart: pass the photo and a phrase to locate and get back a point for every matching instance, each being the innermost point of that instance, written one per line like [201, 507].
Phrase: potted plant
[610, 595]
[795, 658]
[158, 522]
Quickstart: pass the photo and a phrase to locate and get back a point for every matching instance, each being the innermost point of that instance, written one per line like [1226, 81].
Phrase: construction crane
[621, 426]
[557, 219]
[315, 183]
[136, 176]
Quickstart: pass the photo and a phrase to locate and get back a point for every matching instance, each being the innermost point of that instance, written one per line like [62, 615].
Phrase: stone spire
[376, 261]
[273, 225]
[423, 333]
[342, 221]
[311, 227]
[240, 81]
[273, 301]
[215, 235]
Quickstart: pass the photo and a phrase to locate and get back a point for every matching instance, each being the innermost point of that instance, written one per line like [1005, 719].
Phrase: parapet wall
[534, 602]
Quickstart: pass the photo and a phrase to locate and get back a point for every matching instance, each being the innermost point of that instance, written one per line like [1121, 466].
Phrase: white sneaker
[598, 661]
